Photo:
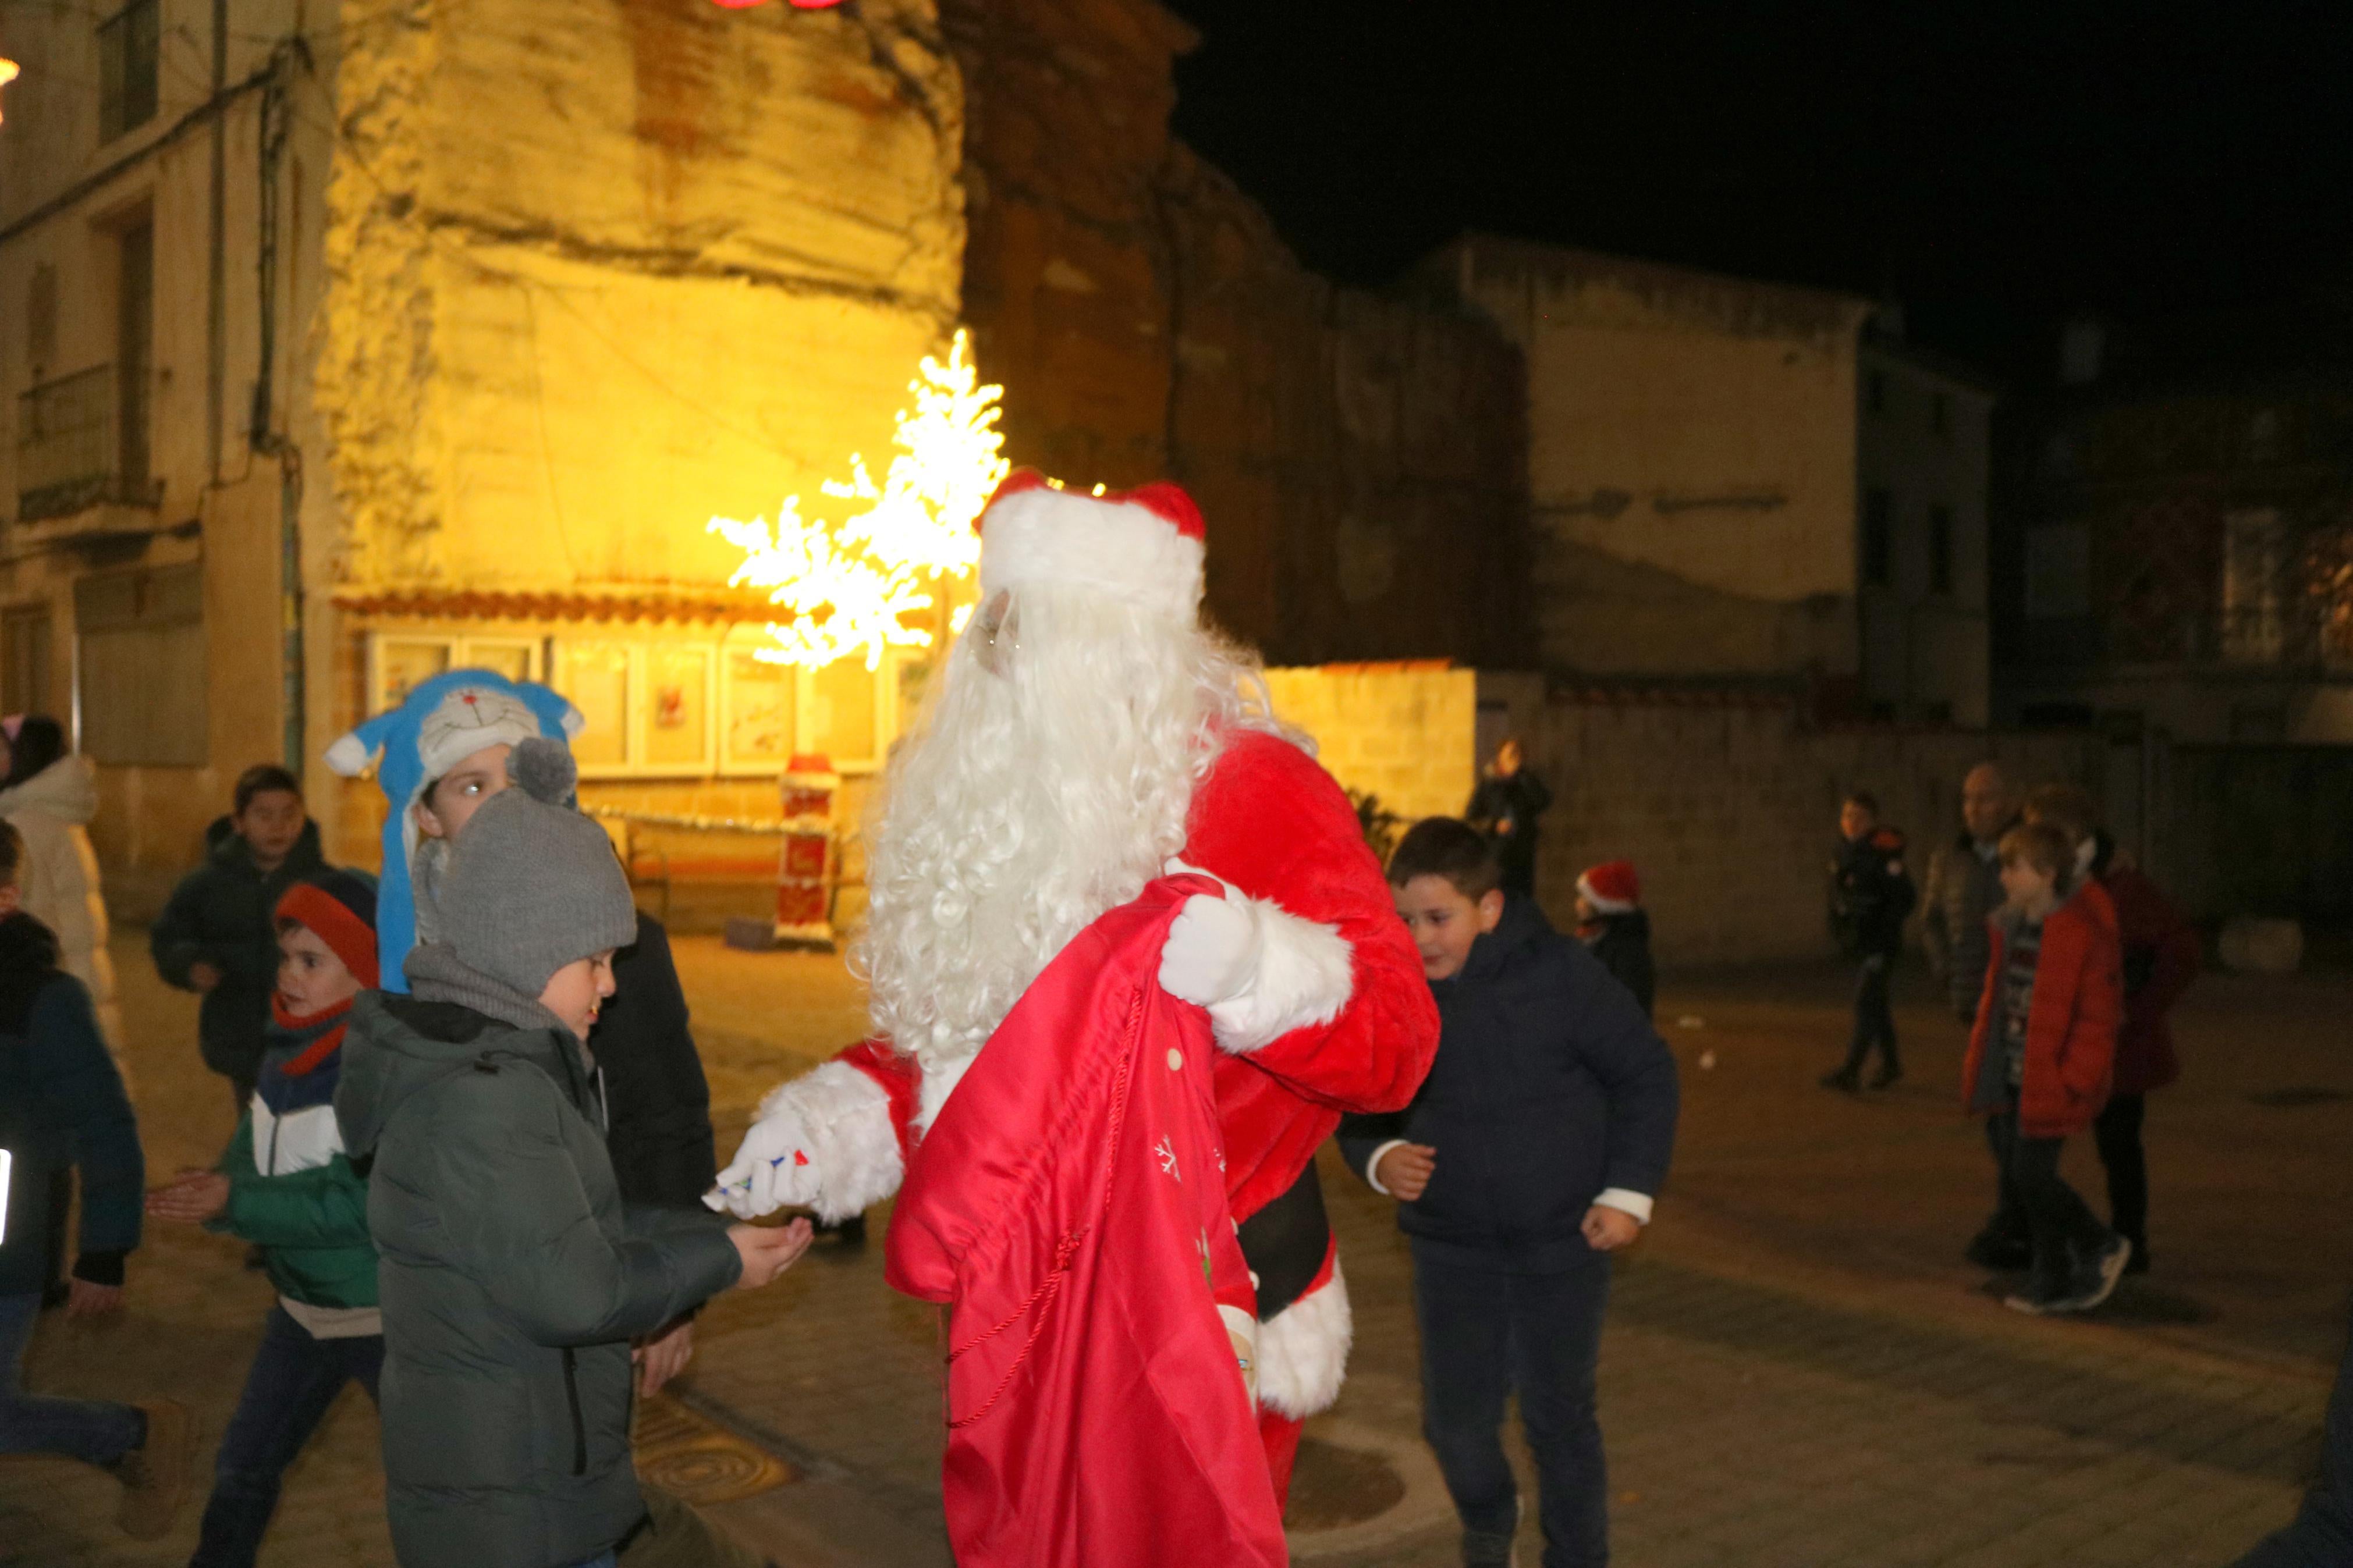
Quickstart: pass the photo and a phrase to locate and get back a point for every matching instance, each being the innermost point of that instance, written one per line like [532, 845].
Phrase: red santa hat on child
[1611, 888]
[1145, 546]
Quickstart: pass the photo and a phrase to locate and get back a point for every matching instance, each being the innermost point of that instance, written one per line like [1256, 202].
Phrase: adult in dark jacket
[62, 1106]
[513, 1275]
[1871, 894]
[217, 935]
[1536, 1144]
[1505, 807]
[660, 1135]
[1964, 887]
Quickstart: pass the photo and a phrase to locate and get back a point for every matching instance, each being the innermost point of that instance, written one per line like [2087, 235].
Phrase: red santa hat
[1145, 546]
[1611, 888]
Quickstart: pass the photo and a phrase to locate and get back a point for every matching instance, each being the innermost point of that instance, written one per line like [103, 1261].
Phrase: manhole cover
[699, 1459]
[1333, 1486]
[2299, 1096]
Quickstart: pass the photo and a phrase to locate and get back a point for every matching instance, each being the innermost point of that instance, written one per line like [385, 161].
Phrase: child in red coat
[2161, 959]
[2041, 1060]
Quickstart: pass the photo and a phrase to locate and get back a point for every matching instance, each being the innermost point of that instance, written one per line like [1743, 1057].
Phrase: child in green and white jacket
[286, 1185]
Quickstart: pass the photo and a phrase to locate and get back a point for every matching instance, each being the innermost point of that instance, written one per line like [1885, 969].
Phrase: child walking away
[217, 935]
[1533, 1150]
[1611, 923]
[286, 1185]
[1871, 894]
[62, 1106]
[512, 1275]
[2039, 1063]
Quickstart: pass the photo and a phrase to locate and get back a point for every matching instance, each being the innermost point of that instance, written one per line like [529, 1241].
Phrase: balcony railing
[70, 451]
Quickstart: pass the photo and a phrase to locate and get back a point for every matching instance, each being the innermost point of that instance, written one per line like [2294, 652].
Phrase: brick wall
[1404, 732]
[1358, 459]
[1729, 809]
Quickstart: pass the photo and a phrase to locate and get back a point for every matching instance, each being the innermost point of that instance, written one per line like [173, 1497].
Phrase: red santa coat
[1343, 1020]
[1068, 1205]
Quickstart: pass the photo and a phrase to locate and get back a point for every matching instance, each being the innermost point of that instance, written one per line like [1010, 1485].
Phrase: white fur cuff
[1305, 976]
[1303, 1351]
[853, 1150]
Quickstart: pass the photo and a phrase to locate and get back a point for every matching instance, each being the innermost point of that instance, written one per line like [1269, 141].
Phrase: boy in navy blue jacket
[1533, 1150]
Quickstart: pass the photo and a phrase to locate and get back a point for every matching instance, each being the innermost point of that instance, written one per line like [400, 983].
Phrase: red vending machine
[807, 866]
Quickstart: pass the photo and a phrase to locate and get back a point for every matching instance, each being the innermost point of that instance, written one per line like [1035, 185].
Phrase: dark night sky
[1994, 163]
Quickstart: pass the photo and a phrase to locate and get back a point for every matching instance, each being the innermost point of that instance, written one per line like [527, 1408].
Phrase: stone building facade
[1923, 448]
[356, 342]
[1360, 458]
[1691, 463]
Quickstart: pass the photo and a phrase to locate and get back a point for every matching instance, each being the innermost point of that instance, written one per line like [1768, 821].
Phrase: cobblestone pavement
[1798, 1369]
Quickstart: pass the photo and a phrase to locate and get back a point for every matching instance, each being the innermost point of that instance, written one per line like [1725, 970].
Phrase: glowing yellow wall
[602, 268]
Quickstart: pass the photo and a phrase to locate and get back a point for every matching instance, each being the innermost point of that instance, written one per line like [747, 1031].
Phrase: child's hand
[194, 1197]
[1608, 1230]
[1405, 1170]
[768, 1251]
[84, 1299]
[664, 1356]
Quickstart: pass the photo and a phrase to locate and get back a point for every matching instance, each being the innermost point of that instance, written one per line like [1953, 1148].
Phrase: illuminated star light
[849, 590]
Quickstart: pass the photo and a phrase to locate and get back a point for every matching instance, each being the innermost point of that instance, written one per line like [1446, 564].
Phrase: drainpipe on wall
[262, 429]
[217, 275]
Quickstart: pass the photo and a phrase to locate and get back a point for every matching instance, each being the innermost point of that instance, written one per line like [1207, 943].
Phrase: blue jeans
[1485, 1335]
[93, 1431]
[294, 1380]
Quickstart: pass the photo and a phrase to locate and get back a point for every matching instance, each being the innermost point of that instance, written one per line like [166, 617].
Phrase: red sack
[1069, 1206]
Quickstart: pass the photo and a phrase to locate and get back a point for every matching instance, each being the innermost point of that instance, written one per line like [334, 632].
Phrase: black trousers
[1487, 1336]
[2036, 1201]
[293, 1379]
[1874, 1020]
[2117, 1135]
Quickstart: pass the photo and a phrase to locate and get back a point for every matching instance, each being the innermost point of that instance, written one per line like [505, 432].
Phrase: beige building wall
[1402, 733]
[1691, 460]
[198, 531]
[1924, 448]
[556, 281]
[1728, 806]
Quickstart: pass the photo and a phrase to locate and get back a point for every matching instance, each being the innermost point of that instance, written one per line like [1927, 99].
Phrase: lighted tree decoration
[902, 571]
[8, 70]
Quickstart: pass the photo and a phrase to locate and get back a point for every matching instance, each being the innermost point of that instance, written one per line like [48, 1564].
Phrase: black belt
[1285, 1242]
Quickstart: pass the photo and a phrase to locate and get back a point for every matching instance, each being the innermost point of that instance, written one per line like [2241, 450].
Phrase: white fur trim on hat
[1119, 547]
[1303, 1351]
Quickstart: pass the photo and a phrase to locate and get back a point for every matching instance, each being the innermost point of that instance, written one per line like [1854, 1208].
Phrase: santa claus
[1090, 735]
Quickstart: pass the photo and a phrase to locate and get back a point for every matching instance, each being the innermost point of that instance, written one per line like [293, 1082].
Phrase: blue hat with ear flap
[441, 722]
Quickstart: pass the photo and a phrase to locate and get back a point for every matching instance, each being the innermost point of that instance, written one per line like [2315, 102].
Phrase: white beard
[1027, 804]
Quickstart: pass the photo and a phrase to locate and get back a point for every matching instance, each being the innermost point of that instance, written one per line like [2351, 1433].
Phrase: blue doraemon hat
[440, 724]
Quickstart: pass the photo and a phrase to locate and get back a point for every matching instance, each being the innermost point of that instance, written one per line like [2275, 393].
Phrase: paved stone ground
[1798, 1369]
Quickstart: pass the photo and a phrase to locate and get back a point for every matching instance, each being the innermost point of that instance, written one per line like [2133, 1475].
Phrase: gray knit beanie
[533, 884]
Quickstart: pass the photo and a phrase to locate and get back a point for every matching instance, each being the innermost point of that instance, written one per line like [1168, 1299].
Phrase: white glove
[1212, 951]
[772, 1168]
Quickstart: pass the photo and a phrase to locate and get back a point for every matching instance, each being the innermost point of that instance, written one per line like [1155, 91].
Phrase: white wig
[1047, 782]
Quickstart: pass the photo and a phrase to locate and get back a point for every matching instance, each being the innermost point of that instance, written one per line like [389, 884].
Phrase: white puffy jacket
[52, 811]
